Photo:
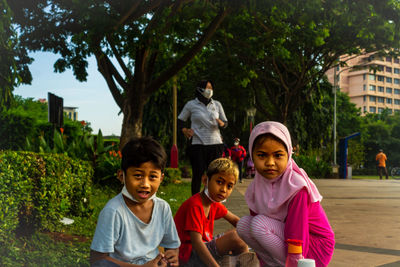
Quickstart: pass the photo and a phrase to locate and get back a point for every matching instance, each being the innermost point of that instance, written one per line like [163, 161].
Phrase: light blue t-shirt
[125, 237]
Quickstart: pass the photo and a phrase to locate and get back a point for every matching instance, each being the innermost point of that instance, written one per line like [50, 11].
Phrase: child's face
[142, 182]
[270, 158]
[220, 185]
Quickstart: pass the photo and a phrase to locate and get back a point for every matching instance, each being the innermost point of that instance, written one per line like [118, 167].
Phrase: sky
[92, 98]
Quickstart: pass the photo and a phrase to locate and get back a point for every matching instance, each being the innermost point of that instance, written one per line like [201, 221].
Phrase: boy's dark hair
[141, 150]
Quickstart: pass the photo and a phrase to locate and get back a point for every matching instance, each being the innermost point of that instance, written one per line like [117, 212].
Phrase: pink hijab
[272, 197]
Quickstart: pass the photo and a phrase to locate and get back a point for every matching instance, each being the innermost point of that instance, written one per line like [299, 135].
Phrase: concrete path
[364, 214]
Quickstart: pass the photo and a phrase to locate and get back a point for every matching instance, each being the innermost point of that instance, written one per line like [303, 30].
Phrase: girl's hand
[220, 123]
[157, 262]
[171, 255]
[188, 132]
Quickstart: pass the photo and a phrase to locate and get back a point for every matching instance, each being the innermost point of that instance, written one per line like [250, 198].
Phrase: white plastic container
[306, 263]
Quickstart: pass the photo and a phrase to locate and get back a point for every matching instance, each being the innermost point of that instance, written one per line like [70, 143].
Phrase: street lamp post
[335, 86]
[174, 148]
[251, 112]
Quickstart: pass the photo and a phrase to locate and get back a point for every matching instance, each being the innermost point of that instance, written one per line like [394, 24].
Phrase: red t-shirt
[190, 217]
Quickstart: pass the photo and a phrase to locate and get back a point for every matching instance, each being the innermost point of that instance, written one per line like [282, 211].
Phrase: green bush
[44, 188]
[313, 167]
[14, 129]
[366, 171]
[171, 175]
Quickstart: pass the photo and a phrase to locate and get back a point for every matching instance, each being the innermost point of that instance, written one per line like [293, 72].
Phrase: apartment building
[372, 90]
[71, 113]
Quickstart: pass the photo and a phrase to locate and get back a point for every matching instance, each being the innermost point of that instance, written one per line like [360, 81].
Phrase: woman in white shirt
[207, 117]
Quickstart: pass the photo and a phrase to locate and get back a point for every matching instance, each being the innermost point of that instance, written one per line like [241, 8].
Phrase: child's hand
[157, 261]
[171, 255]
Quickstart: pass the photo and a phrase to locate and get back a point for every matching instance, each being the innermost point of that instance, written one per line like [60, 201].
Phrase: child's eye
[230, 186]
[219, 182]
[153, 177]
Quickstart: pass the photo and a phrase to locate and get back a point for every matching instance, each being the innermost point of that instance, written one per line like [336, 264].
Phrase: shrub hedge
[314, 168]
[38, 189]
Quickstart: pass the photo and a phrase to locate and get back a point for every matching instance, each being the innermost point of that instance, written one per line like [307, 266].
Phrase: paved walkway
[364, 214]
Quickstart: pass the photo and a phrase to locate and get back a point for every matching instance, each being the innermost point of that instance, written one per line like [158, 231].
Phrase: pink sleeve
[297, 225]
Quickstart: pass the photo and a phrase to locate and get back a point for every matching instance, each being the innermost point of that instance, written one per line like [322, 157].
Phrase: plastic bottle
[295, 251]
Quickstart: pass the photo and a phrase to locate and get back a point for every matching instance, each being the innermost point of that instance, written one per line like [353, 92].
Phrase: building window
[380, 67]
[396, 60]
[388, 80]
[388, 90]
[381, 78]
[364, 98]
[69, 115]
[372, 87]
[390, 111]
[397, 91]
[372, 109]
[372, 98]
[364, 87]
[389, 101]
[365, 109]
[388, 69]
[364, 76]
[388, 59]
[396, 81]
[380, 110]
[396, 71]
[397, 101]
[372, 77]
[74, 116]
[397, 111]
[381, 89]
[381, 100]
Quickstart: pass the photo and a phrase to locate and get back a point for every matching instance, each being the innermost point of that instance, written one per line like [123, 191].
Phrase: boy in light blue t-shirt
[135, 223]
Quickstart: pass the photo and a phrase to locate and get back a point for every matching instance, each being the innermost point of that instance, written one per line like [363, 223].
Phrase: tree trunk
[133, 117]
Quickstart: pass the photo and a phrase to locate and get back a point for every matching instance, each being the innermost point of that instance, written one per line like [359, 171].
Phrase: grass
[370, 177]
[70, 246]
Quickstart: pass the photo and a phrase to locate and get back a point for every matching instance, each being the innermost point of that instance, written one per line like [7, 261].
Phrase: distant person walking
[238, 156]
[381, 160]
[207, 118]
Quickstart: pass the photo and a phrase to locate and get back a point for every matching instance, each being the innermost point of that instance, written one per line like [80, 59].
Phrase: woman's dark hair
[203, 83]
[261, 138]
[141, 150]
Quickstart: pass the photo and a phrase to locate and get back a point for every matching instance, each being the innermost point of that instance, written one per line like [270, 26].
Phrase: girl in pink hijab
[284, 203]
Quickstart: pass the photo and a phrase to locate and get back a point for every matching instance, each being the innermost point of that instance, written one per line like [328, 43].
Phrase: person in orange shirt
[381, 159]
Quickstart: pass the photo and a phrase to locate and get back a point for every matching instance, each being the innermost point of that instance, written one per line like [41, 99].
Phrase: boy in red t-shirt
[194, 221]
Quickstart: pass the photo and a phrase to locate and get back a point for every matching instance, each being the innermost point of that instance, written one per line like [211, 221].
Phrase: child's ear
[204, 179]
[162, 177]
[120, 176]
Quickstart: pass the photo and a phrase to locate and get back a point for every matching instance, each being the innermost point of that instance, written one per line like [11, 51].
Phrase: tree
[139, 45]
[285, 47]
[13, 58]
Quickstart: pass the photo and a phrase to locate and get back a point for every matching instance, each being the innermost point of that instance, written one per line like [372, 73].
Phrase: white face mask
[207, 93]
[208, 193]
[125, 192]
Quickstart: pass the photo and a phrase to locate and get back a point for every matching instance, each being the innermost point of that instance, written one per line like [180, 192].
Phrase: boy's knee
[237, 243]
